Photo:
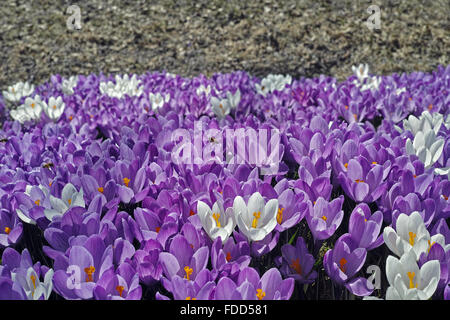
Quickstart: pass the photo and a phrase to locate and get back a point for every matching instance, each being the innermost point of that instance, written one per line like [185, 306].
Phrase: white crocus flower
[123, 86]
[20, 115]
[216, 222]
[411, 235]
[447, 122]
[426, 146]
[69, 84]
[361, 71]
[407, 281]
[54, 108]
[33, 107]
[32, 286]
[204, 90]
[157, 100]
[221, 108]
[16, 92]
[424, 123]
[234, 99]
[273, 82]
[70, 197]
[257, 219]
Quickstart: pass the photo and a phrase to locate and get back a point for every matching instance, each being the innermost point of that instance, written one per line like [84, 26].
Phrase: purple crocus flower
[291, 209]
[343, 262]
[363, 181]
[82, 267]
[122, 284]
[10, 228]
[297, 263]
[181, 259]
[365, 227]
[324, 217]
[270, 286]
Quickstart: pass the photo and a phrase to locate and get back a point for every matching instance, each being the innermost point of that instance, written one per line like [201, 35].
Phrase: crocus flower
[181, 259]
[343, 262]
[54, 108]
[424, 123]
[217, 222]
[122, 284]
[407, 281]
[363, 181]
[426, 146]
[365, 227]
[361, 71]
[221, 108]
[257, 219]
[297, 262]
[270, 286]
[324, 217]
[158, 100]
[34, 289]
[70, 197]
[17, 91]
[68, 85]
[410, 234]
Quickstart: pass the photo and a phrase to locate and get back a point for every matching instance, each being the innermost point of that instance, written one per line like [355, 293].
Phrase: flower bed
[232, 187]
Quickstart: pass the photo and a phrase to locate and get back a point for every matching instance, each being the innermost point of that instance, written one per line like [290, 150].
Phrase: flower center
[37, 202]
[324, 218]
[89, 271]
[342, 263]
[216, 217]
[374, 162]
[32, 105]
[157, 229]
[355, 116]
[7, 230]
[346, 165]
[69, 201]
[260, 294]
[445, 197]
[33, 279]
[411, 278]
[256, 215]
[191, 213]
[295, 265]
[412, 236]
[280, 215]
[126, 181]
[430, 107]
[346, 107]
[188, 271]
[100, 189]
[120, 290]
[228, 257]
[189, 298]
[358, 180]
[54, 107]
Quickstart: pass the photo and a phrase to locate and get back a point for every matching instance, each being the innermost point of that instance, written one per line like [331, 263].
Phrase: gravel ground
[301, 38]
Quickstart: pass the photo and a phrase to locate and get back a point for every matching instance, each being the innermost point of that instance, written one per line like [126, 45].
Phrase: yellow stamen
[70, 118]
[189, 298]
[157, 229]
[411, 277]
[346, 107]
[445, 197]
[257, 215]
[260, 294]
[50, 184]
[33, 279]
[37, 202]
[32, 105]
[374, 162]
[430, 244]
[355, 116]
[188, 272]
[126, 181]
[346, 165]
[100, 189]
[295, 265]
[120, 290]
[412, 235]
[89, 271]
[280, 215]
[324, 218]
[342, 263]
[54, 107]
[191, 213]
[358, 181]
[69, 201]
[7, 230]
[228, 257]
[216, 217]
[430, 107]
